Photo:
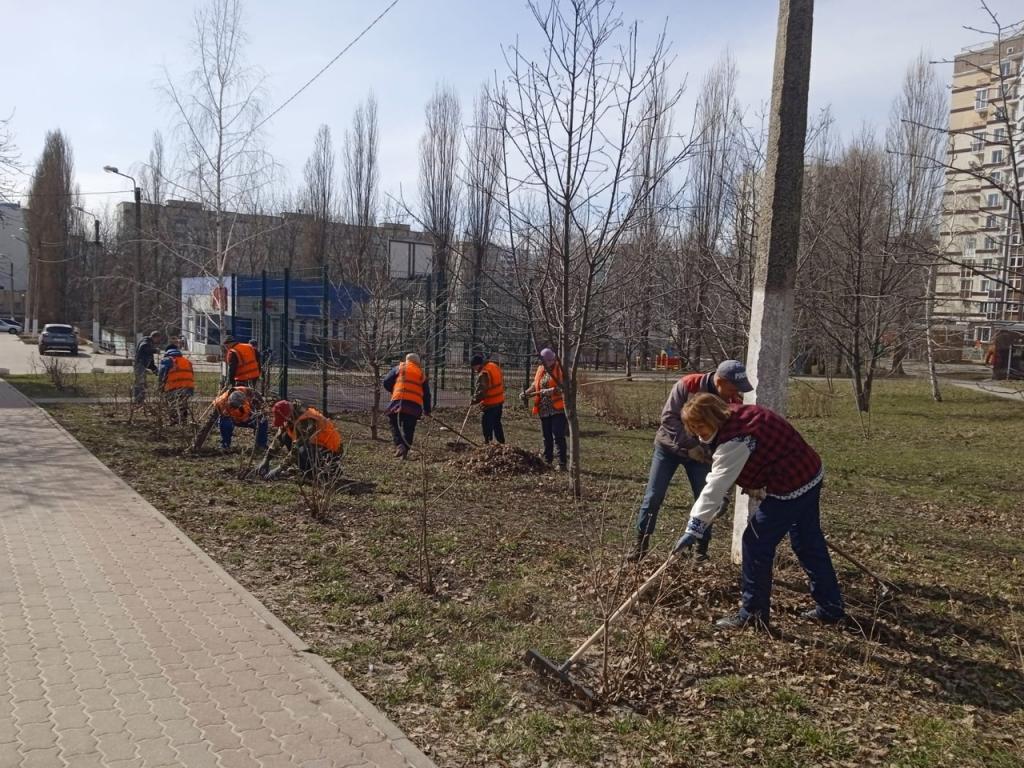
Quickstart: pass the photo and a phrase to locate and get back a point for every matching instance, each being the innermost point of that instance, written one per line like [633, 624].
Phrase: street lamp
[95, 279]
[138, 249]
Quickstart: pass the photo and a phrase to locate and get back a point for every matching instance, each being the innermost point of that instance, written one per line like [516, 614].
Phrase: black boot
[639, 551]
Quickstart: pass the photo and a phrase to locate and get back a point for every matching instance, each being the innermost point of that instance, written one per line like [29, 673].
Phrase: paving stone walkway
[123, 645]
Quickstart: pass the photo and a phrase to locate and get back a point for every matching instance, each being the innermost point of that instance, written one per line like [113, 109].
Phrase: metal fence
[328, 343]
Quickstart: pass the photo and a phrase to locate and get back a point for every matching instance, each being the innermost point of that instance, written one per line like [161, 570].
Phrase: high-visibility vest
[326, 436]
[556, 397]
[409, 384]
[248, 367]
[180, 375]
[495, 393]
[238, 415]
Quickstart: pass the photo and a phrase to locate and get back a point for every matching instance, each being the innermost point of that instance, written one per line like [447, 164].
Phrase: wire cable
[328, 65]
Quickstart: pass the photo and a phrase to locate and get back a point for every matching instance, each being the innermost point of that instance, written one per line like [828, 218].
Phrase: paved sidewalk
[122, 645]
[1004, 390]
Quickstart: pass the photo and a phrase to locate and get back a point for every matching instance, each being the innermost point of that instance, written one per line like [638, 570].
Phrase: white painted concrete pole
[771, 311]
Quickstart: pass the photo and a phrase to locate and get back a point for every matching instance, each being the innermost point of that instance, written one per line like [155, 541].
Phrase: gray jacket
[671, 434]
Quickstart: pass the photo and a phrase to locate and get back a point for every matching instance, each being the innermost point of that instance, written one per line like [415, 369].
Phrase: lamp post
[95, 279]
[138, 249]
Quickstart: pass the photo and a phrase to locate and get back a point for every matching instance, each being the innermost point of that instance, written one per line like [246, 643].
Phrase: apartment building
[979, 284]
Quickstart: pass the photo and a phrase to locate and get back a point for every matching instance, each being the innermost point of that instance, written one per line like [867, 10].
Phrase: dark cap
[735, 373]
[476, 360]
[228, 339]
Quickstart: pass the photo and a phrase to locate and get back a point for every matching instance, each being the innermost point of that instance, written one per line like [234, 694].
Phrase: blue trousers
[664, 464]
[800, 518]
[227, 429]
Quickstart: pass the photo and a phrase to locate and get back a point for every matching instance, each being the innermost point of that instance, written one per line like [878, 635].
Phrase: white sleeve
[726, 465]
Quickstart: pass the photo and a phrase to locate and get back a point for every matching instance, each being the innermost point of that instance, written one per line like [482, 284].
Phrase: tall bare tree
[483, 166]
[440, 193]
[572, 118]
[219, 106]
[10, 159]
[320, 195]
[917, 176]
[50, 222]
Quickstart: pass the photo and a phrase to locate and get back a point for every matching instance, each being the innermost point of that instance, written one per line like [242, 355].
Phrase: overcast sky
[93, 67]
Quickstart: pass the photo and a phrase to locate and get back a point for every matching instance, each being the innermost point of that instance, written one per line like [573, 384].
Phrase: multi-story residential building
[979, 282]
[13, 260]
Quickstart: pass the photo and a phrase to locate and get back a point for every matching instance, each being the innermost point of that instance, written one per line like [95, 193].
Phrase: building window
[990, 243]
[999, 136]
[970, 247]
[1016, 262]
[1004, 69]
[990, 221]
[978, 141]
[1015, 283]
[997, 177]
[966, 286]
[997, 156]
[990, 309]
[992, 201]
[981, 99]
[982, 334]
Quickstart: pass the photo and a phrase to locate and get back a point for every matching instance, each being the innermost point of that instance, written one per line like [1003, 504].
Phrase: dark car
[55, 336]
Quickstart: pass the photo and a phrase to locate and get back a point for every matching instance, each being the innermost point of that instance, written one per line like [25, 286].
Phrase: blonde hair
[705, 408]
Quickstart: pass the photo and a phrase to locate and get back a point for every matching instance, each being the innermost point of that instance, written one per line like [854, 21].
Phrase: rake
[561, 672]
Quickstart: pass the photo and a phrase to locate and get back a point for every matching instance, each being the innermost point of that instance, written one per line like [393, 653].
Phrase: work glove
[699, 453]
[263, 467]
[273, 474]
[686, 541]
[523, 396]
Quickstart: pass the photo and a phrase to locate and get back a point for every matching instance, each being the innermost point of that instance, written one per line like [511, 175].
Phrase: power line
[328, 65]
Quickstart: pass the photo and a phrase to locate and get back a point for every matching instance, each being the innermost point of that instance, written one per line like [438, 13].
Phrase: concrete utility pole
[771, 311]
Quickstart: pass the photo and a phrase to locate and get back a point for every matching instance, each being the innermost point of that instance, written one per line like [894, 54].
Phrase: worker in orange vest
[243, 363]
[177, 382]
[490, 394]
[312, 440]
[240, 407]
[549, 405]
[410, 399]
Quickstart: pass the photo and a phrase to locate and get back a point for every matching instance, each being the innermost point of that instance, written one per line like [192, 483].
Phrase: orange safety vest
[556, 397]
[409, 384]
[180, 375]
[238, 415]
[326, 436]
[248, 368]
[494, 394]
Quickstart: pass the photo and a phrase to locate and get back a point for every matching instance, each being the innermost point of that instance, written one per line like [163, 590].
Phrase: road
[18, 357]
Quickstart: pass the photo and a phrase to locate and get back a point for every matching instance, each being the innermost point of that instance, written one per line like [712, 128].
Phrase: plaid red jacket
[780, 461]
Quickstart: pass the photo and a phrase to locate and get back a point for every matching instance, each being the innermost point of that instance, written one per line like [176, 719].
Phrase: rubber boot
[639, 551]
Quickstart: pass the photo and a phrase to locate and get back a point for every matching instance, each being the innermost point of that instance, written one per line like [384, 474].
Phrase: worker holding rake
[760, 451]
[674, 447]
[311, 439]
[489, 393]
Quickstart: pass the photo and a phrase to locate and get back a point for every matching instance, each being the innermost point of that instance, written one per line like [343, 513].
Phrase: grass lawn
[929, 494]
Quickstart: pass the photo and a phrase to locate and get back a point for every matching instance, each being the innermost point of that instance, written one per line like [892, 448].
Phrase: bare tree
[439, 210]
[483, 165]
[319, 194]
[9, 158]
[572, 119]
[219, 108]
[50, 222]
[916, 177]
[366, 268]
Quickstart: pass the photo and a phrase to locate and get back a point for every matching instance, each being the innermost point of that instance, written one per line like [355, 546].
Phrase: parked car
[56, 336]
[9, 326]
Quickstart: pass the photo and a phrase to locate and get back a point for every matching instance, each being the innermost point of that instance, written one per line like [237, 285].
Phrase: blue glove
[686, 541]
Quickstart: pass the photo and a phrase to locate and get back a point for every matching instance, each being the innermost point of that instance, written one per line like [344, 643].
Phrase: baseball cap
[734, 372]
